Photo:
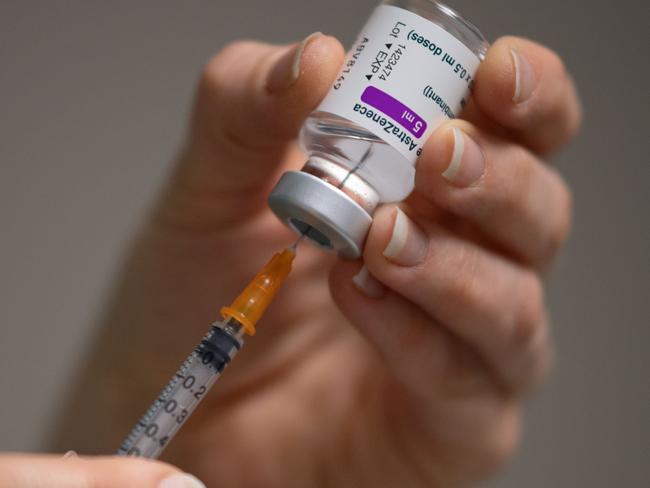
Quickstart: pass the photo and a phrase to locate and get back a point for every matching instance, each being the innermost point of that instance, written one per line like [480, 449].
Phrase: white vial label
[403, 77]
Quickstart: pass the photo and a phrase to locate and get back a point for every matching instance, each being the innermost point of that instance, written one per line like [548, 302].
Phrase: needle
[293, 247]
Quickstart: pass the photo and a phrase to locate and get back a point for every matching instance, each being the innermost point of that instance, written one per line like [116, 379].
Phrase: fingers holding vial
[442, 386]
[485, 292]
[526, 89]
[455, 289]
[504, 190]
[251, 100]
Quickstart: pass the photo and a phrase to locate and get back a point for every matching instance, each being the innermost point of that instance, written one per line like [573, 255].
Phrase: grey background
[93, 103]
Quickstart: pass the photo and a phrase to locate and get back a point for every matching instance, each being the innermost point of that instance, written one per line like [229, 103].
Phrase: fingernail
[467, 163]
[181, 480]
[525, 80]
[407, 245]
[70, 454]
[368, 284]
[287, 69]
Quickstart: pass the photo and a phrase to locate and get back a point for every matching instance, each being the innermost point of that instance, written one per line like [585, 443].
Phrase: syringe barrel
[202, 368]
[183, 393]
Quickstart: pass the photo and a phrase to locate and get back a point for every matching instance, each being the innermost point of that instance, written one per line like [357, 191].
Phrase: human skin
[411, 374]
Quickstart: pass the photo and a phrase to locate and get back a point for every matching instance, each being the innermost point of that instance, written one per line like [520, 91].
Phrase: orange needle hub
[249, 306]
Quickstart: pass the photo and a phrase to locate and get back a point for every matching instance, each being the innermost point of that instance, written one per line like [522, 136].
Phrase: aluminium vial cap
[321, 212]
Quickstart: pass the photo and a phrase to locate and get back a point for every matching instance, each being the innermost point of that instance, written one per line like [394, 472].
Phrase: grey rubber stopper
[326, 215]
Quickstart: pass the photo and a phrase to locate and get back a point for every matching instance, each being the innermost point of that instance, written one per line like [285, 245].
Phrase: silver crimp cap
[324, 213]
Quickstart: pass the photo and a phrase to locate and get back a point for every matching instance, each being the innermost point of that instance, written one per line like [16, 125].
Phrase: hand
[34, 471]
[411, 378]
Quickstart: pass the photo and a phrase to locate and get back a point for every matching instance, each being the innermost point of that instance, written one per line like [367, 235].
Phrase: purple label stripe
[395, 109]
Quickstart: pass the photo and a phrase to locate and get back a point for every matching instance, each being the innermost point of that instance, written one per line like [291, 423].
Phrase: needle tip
[294, 247]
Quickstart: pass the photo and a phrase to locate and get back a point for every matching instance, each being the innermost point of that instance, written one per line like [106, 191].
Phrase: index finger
[251, 101]
[525, 88]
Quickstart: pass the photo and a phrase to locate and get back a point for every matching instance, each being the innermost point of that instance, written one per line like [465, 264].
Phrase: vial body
[410, 69]
[343, 142]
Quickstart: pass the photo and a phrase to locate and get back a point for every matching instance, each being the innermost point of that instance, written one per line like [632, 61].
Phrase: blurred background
[94, 98]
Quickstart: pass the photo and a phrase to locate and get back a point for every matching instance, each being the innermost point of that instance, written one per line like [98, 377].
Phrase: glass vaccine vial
[410, 69]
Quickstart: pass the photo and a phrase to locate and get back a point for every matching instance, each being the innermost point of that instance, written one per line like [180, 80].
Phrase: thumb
[252, 100]
[33, 471]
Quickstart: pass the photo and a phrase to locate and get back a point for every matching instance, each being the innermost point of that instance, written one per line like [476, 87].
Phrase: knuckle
[542, 365]
[418, 332]
[562, 226]
[509, 440]
[555, 65]
[216, 71]
[569, 99]
[461, 279]
[516, 189]
[538, 361]
[503, 441]
[502, 451]
[574, 105]
[564, 105]
[529, 313]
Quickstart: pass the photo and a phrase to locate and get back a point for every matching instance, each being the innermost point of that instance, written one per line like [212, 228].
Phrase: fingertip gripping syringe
[201, 369]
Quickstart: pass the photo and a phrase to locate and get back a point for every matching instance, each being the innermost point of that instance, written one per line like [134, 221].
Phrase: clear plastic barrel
[183, 393]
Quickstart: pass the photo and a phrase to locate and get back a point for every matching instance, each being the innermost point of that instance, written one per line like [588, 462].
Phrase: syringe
[201, 369]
